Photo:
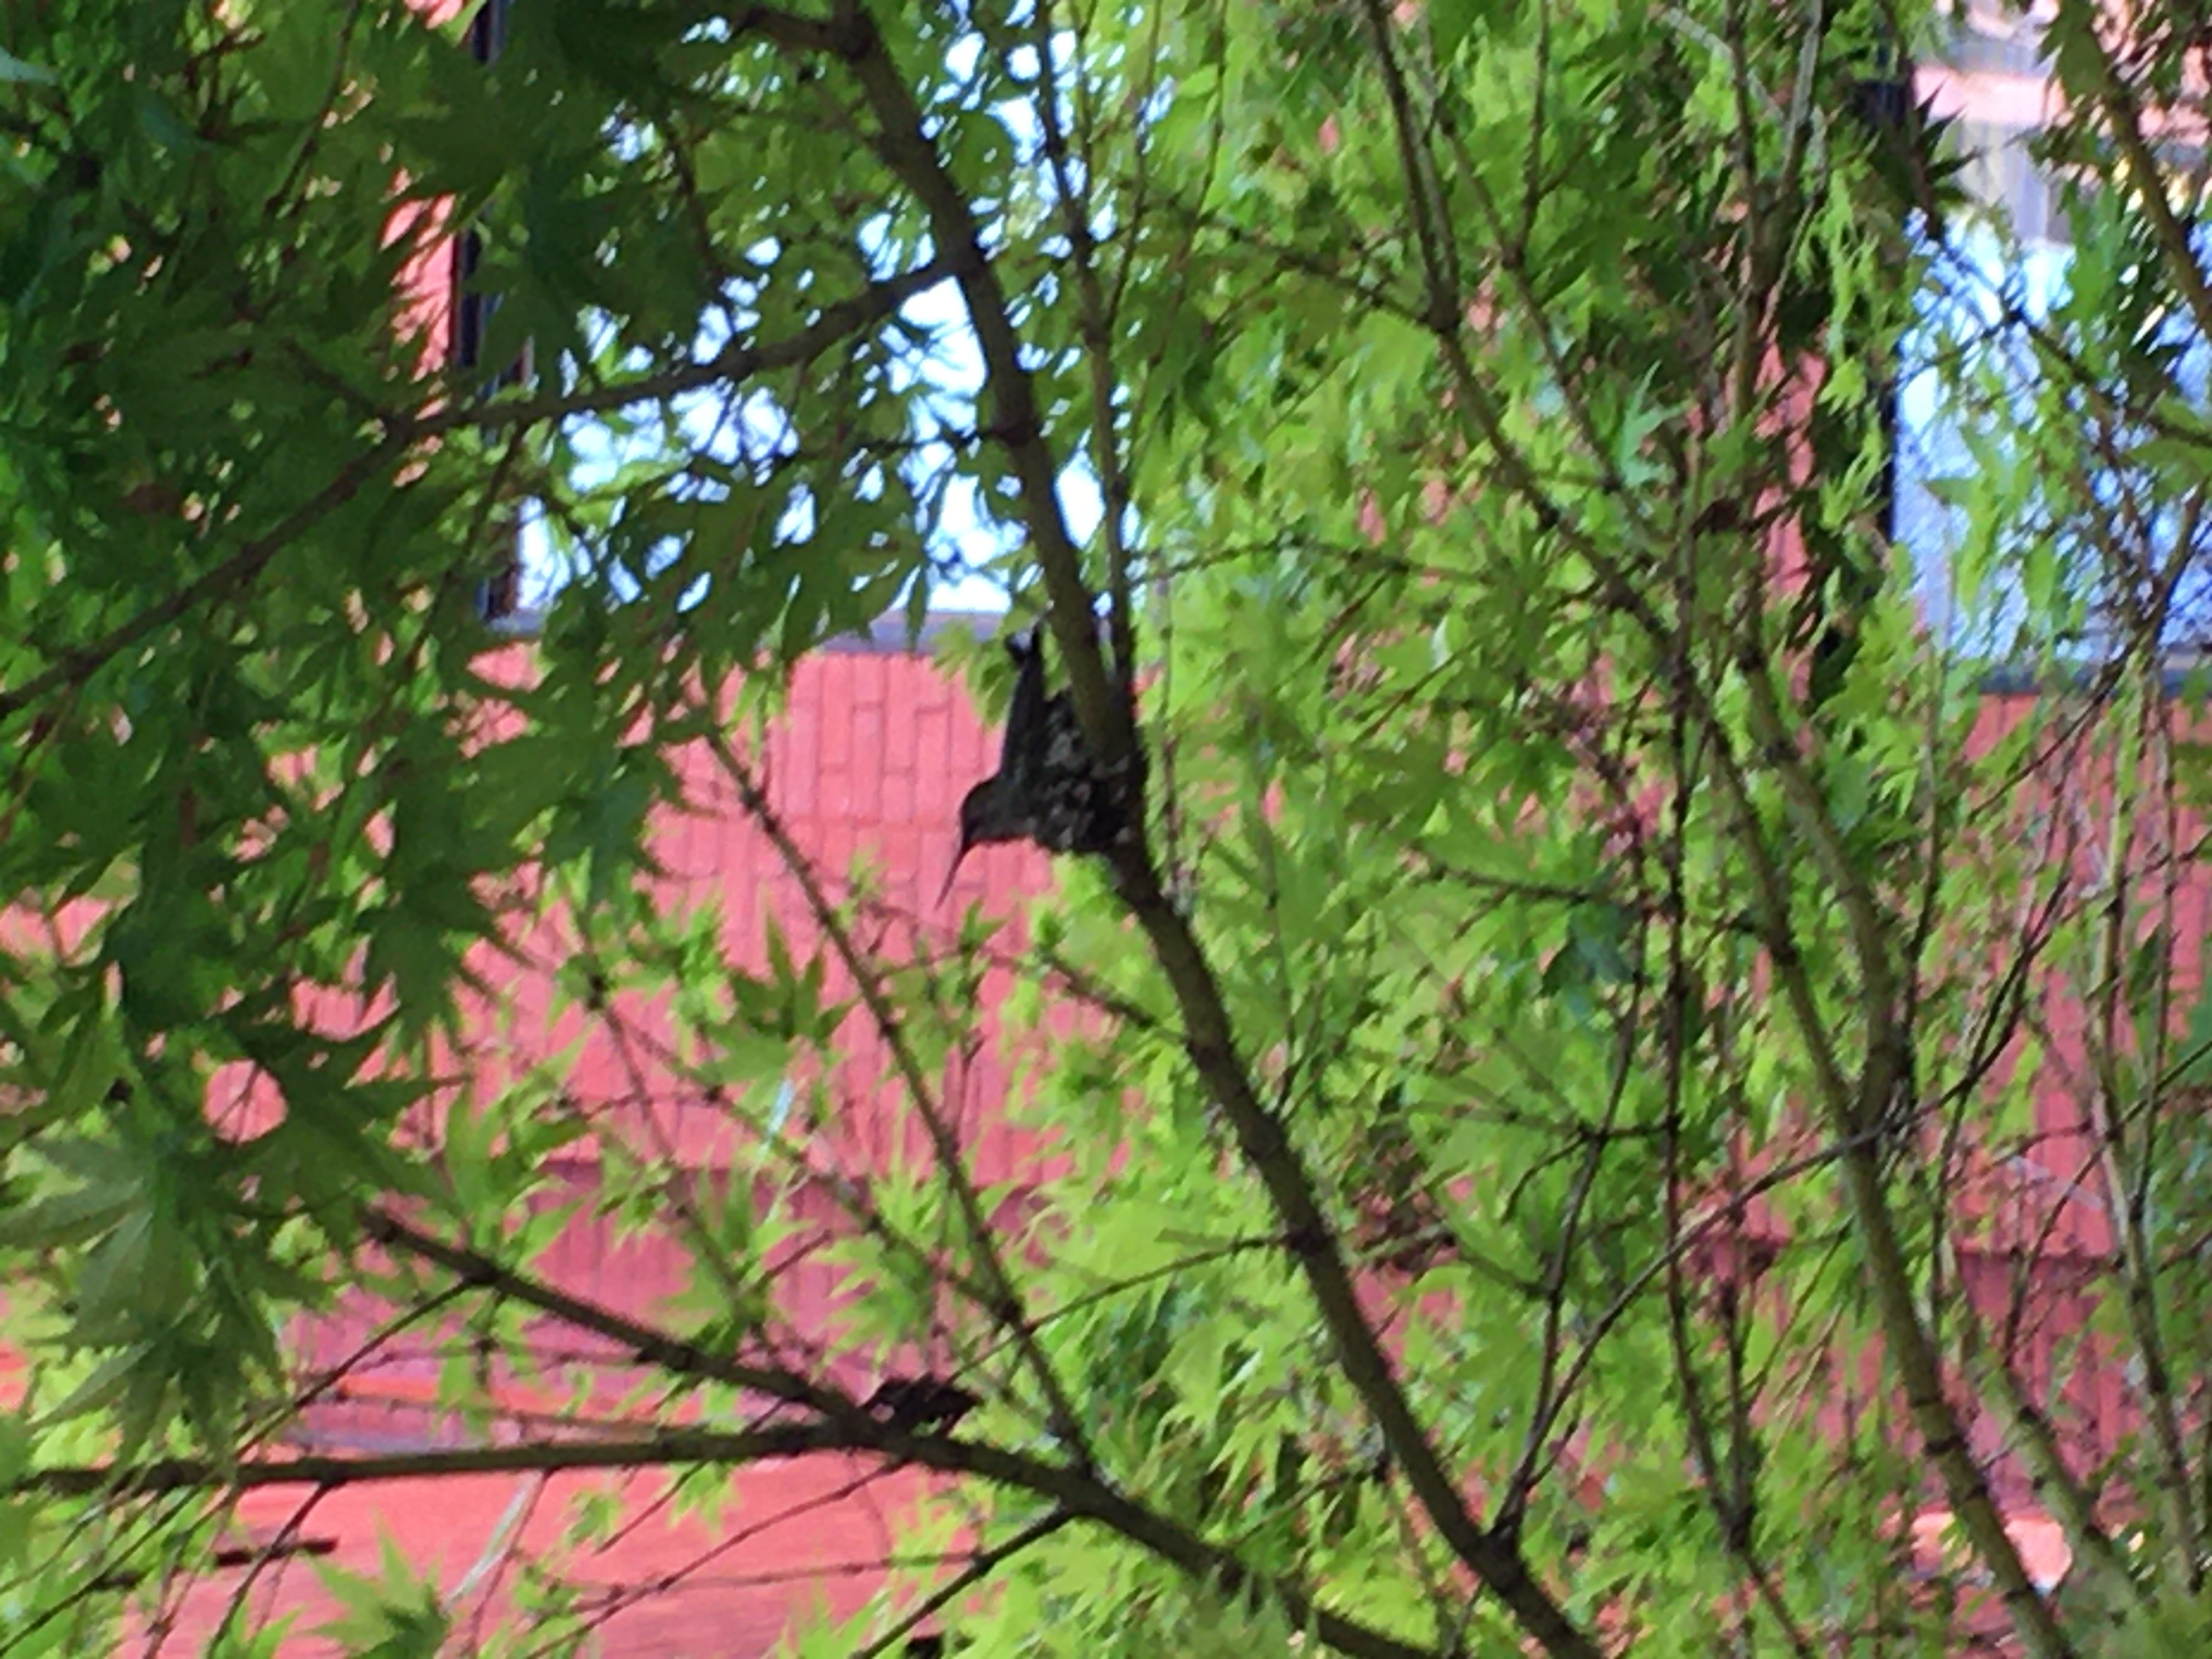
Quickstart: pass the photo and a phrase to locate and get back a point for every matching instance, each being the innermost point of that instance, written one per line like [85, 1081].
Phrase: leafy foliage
[1624, 1070]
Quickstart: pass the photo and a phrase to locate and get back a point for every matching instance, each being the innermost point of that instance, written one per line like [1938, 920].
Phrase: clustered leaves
[1652, 1036]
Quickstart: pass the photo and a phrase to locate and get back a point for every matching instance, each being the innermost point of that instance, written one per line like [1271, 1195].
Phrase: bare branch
[1080, 1496]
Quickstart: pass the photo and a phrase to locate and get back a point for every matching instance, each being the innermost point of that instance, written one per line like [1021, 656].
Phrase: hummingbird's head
[985, 816]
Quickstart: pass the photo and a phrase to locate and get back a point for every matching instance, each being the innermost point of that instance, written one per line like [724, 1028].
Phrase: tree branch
[1097, 331]
[1210, 1041]
[404, 431]
[904, 144]
[1080, 1496]
[80, 663]
[845, 1427]
[737, 362]
[651, 1346]
[1003, 1301]
[980, 1566]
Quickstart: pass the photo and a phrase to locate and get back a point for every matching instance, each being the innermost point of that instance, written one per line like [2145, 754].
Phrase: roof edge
[886, 636]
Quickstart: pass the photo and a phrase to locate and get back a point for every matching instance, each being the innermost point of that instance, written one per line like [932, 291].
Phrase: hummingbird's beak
[949, 874]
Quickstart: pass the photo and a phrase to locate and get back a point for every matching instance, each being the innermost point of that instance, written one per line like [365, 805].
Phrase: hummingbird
[1049, 788]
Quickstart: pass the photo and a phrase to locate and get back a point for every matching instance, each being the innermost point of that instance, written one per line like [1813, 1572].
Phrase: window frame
[1991, 81]
[499, 594]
